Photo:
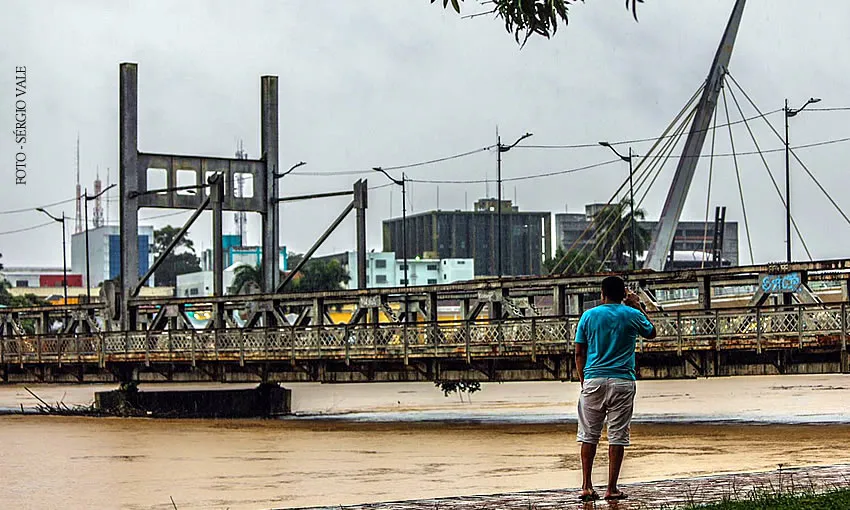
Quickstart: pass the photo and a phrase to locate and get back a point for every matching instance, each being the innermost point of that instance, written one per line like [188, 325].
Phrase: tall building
[386, 269]
[691, 238]
[526, 237]
[105, 253]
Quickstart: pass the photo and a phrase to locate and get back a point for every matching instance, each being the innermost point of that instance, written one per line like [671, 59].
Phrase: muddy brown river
[377, 442]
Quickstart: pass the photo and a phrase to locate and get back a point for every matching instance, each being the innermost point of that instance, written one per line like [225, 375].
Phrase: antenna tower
[78, 224]
[240, 218]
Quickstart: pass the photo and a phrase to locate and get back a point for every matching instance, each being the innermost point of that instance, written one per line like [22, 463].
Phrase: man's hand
[632, 300]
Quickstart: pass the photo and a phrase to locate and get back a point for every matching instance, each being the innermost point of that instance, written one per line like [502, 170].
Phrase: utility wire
[17, 231]
[28, 209]
[738, 175]
[514, 179]
[397, 167]
[769, 173]
[639, 140]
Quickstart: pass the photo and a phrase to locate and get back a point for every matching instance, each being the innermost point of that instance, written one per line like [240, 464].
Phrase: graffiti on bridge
[778, 283]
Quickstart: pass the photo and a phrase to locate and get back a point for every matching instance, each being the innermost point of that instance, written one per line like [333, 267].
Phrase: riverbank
[745, 489]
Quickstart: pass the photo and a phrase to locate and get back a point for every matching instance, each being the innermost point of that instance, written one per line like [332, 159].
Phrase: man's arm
[634, 301]
[581, 360]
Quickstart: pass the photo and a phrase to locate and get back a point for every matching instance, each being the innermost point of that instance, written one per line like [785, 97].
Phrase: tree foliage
[7, 299]
[176, 262]
[315, 276]
[572, 262]
[613, 237]
[459, 387]
[524, 18]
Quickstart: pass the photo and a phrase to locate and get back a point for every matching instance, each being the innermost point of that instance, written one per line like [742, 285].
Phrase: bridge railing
[784, 327]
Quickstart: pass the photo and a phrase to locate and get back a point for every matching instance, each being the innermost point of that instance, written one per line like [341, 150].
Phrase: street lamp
[64, 260]
[403, 227]
[86, 207]
[500, 149]
[790, 112]
[628, 159]
[293, 167]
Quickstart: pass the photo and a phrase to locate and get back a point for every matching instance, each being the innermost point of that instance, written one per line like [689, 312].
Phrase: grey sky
[372, 82]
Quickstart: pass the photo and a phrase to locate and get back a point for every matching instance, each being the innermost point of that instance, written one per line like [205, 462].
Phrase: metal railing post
[717, 329]
[192, 347]
[346, 341]
[800, 325]
[291, 334]
[843, 327]
[467, 336]
[758, 330]
[679, 332]
[242, 348]
[533, 339]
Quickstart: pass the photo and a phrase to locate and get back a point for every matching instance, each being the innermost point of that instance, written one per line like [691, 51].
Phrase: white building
[383, 269]
[105, 253]
[201, 282]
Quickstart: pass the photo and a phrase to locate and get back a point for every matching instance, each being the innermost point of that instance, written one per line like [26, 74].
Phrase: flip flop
[593, 496]
[619, 495]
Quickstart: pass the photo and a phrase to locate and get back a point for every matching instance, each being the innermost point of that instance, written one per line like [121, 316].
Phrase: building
[235, 253]
[526, 237]
[384, 269]
[201, 283]
[105, 253]
[691, 239]
[39, 277]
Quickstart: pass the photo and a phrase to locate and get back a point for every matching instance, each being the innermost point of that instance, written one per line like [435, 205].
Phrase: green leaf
[456, 6]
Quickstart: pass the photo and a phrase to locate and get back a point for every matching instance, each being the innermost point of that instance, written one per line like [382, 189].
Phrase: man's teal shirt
[610, 332]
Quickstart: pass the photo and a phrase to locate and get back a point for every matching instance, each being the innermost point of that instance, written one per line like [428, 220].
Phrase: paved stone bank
[667, 494]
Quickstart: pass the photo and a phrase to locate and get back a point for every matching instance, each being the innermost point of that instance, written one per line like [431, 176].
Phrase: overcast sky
[372, 82]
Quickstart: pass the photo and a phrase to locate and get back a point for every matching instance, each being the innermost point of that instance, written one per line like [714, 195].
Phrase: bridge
[502, 329]
[506, 329]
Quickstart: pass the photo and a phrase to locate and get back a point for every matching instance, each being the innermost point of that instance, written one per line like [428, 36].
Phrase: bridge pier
[845, 362]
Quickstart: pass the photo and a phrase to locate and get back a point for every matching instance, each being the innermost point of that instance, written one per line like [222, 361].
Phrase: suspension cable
[793, 153]
[769, 173]
[708, 197]
[587, 228]
[658, 167]
[738, 175]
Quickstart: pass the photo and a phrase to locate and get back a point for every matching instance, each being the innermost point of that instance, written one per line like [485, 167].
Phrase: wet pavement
[667, 494]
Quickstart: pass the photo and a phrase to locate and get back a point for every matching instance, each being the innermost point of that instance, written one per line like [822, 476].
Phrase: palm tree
[246, 279]
[528, 17]
[613, 236]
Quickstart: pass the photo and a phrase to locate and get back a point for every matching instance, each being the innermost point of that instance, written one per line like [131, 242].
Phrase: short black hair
[614, 288]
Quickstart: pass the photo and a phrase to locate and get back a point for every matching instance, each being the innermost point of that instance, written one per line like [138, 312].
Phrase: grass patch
[831, 500]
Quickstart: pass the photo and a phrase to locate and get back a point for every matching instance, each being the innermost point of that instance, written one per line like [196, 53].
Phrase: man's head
[613, 289]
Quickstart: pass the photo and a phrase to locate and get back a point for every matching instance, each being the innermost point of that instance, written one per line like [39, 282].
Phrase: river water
[377, 442]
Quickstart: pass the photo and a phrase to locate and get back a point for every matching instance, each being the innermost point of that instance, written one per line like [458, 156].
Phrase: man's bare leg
[615, 462]
[588, 452]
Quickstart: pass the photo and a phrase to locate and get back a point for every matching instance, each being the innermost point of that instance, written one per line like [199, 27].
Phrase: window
[381, 278]
[461, 262]
[402, 267]
[431, 267]
[380, 263]
[403, 281]
[445, 277]
[193, 292]
[432, 281]
[22, 283]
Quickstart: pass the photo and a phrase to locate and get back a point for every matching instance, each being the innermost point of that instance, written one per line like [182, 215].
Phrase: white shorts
[603, 398]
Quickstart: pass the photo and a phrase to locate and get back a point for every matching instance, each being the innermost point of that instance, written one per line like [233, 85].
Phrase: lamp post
[628, 159]
[790, 112]
[64, 260]
[86, 207]
[500, 149]
[403, 227]
[293, 167]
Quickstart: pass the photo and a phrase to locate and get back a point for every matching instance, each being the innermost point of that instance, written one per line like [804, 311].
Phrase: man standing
[605, 359]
